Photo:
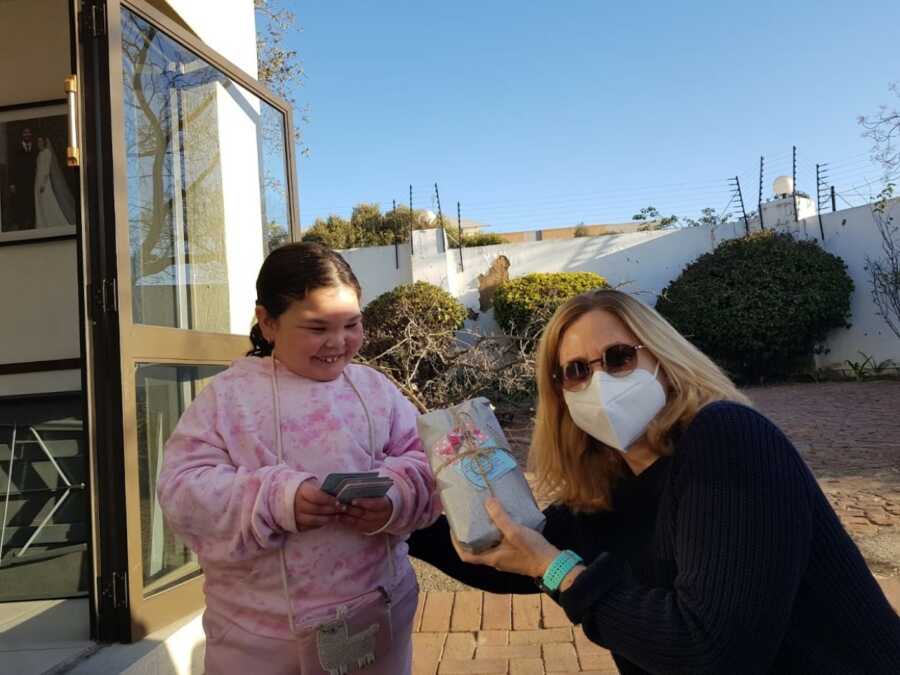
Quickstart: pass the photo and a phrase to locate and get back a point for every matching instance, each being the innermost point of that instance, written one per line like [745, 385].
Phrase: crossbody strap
[279, 447]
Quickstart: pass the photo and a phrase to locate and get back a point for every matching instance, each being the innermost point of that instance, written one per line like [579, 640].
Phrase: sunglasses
[617, 359]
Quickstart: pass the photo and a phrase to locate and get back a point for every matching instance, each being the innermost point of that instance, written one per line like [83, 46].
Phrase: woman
[695, 538]
[53, 204]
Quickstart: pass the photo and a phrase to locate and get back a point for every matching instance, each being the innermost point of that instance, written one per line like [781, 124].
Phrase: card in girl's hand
[334, 481]
[369, 489]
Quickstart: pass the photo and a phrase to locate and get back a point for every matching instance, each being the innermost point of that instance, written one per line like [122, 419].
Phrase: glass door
[202, 187]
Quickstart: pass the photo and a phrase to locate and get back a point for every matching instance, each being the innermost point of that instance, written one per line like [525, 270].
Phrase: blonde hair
[575, 469]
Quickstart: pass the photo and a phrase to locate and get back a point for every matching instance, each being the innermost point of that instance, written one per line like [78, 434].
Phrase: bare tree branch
[884, 272]
[884, 129]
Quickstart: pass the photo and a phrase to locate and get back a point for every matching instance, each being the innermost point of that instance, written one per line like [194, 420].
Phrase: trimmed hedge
[428, 315]
[388, 316]
[523, 304]
[760, 306]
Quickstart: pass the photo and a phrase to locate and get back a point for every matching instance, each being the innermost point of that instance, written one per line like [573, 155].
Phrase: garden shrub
[525, 304]
[760, 306]
[417, 323]
[473, 239]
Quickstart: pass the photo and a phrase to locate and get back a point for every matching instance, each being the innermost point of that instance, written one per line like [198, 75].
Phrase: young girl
[296, 582]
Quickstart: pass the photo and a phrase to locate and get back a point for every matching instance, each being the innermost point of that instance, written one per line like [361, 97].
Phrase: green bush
[760, 306]
[473, 239]
[411, 329]
[482, 239]
[523, 305]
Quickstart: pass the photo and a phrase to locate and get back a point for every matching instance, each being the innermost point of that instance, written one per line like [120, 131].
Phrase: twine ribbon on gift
[470, 448]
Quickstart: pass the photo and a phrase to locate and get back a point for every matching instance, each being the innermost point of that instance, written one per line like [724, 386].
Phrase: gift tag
[491, 465]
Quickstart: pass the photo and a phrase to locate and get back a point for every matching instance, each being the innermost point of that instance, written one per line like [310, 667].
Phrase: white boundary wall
[643, 263]
[852, 235]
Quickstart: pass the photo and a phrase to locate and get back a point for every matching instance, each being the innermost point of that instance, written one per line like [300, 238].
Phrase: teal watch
[557, 571]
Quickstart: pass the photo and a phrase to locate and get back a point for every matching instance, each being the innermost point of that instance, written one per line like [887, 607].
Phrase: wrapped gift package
[471, 461]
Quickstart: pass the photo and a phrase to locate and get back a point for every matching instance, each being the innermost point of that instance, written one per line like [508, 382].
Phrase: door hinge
[114, 589]
[94, 18]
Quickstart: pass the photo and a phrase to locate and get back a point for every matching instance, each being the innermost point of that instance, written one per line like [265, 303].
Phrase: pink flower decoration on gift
[448, 446]
[451, 443]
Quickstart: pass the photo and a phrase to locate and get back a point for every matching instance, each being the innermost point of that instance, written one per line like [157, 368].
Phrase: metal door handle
[73, 156]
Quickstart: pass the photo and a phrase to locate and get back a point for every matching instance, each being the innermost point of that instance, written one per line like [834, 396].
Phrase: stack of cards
[361, 485]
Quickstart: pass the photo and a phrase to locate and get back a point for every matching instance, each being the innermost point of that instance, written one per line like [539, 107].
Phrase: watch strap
[558, 570]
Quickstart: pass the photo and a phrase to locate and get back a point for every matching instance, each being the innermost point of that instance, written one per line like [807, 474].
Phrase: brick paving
[849, 433]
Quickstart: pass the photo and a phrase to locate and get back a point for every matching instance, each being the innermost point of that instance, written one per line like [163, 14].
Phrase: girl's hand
[312, 507]
[521, 551]
[368, 515]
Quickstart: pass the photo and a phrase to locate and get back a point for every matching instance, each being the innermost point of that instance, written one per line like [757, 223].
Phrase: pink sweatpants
[230, 650]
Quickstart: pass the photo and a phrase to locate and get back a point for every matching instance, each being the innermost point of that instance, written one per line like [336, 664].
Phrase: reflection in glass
[43, 499]
[207, 185]
[163, 393]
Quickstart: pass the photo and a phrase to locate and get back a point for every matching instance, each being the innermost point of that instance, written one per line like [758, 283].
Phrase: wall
[779, 212]
[238, 130]
[227, 26]
[34, 35]
[376, 268]
[852, 235]
[39, 298]
[568, 232]
[644, 263]
[39, 306]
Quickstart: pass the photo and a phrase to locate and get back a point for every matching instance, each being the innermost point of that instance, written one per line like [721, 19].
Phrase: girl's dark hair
[289, 273]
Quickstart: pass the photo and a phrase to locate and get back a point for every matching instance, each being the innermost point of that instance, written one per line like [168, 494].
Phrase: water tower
[783, 187]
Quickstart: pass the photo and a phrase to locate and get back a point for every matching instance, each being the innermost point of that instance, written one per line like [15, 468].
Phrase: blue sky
[546, 114]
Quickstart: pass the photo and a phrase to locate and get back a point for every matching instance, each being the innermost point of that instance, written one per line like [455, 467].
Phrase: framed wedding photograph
[38, 192]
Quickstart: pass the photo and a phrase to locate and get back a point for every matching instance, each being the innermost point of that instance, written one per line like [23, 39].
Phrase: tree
[333, 231]
[646, 213]
[653, 219]
[279, 66]
[708, 216]
[884, 273]
[367, 227]
[883, 128]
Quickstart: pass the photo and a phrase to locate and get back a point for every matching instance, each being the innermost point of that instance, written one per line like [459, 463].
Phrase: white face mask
[617, 410]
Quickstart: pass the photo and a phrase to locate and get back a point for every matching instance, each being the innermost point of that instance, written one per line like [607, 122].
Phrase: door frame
[117, 343]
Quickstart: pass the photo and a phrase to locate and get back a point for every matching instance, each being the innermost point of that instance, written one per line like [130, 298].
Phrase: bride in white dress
[53, 203]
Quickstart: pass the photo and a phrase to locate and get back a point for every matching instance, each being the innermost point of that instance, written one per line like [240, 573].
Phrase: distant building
[593, 230]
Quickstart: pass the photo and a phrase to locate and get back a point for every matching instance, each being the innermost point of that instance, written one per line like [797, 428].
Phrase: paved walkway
[849, 433]
[474, 632]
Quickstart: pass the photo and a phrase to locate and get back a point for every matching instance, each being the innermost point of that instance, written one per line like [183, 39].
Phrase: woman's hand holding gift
[521, 551]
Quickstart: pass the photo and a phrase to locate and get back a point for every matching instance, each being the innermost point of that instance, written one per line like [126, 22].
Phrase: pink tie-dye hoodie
[224, 491]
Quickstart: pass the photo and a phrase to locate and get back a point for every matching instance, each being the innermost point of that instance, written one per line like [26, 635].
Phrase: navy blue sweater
[723, 558]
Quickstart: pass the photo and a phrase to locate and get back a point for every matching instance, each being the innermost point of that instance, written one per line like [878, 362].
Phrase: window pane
[163, 392]
[207, 185]
[276, 214]
[43, 499]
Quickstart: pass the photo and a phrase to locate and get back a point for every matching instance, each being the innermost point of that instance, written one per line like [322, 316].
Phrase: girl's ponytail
[261, 346]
